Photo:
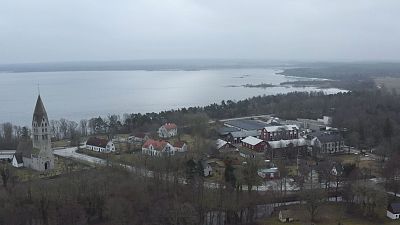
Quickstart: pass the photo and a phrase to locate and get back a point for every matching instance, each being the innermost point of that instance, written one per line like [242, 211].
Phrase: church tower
[41, 130]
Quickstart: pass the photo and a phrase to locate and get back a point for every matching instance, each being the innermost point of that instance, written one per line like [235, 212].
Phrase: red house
[276, 133]
[254, 144]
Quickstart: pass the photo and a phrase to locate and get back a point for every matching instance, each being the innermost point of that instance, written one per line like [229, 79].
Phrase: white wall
[392, 216]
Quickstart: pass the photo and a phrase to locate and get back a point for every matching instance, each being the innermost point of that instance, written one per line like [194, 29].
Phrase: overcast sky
[73, 30]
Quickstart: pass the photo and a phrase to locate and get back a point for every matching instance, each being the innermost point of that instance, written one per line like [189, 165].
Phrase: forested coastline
[368, 117]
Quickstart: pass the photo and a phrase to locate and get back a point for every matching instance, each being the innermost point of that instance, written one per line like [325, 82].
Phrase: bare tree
[63, 127]
[313, 198]
[83, 124]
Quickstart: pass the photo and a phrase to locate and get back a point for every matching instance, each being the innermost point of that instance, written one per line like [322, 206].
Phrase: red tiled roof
[170, 126]
[99, 142]
[178, 144]
[157, 145]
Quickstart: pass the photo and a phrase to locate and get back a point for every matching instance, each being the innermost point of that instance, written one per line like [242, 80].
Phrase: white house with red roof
[158, 148]
[100, 145]
[168, 130]
[180, 146]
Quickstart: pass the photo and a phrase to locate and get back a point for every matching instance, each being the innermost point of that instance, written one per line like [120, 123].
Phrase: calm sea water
[77, 95]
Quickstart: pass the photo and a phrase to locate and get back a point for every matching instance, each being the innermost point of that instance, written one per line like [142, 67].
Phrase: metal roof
[247, 124]
[252, 140]
[242, 134]
[282, 127]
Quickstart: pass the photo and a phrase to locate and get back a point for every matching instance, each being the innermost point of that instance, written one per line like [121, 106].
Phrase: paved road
[71, 153]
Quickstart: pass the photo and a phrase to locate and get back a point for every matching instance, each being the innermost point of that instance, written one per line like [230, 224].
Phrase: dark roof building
[326, 137]
[223, 131]
[246, 125]
[393, 211]
[326, 141]
[98, 142]
[394, 208]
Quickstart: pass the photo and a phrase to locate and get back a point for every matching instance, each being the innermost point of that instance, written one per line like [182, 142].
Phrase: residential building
[138, 137]
[224, 131]
[326, 142]
[168, 130]
[393, 211]
[100, 145]
[269, 173]
[157, 148]
[237, 136]
[180, 146]
[286, 148]
[283, 132]
[254, 144]
[224, 146]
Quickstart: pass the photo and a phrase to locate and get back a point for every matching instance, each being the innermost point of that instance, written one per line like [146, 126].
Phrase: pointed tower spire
[40, 112]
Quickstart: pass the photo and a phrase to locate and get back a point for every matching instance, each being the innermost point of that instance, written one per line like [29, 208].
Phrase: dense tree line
[115, 196]
[368, 119]
[11, 134]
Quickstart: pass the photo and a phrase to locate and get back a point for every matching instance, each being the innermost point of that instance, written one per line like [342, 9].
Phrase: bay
[76, 95]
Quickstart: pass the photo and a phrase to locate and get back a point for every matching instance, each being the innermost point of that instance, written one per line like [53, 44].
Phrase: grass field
[368, 164]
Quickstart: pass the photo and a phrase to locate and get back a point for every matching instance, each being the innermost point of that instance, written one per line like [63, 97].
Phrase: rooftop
[394, 208]
[157, 145]
[247, 124]
[170, 126]
[226, 130]
[242, 134]
[326, 137]
[252, 140]
[282, 127]
[99, 142]
[285, 143]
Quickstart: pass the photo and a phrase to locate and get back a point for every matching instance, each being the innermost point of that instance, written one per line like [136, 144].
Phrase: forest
[366, 118]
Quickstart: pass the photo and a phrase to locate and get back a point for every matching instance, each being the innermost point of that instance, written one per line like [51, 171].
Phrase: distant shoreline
[140, 65]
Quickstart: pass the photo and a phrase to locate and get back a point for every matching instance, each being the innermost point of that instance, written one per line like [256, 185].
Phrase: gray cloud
[71, 30]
